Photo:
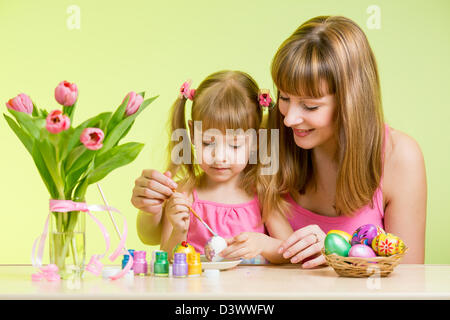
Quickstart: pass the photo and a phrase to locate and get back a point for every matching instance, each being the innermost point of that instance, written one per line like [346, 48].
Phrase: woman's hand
[305, 243]
[151, 189]
[177, 211]
[246, 245]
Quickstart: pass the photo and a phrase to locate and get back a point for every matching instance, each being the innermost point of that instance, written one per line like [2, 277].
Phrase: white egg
[213, 247]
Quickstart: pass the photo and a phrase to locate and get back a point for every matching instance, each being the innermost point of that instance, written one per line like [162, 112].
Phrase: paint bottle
[194, 264]
[152, 262]
[126, 258]
[140, 263]
[180, 267]
[161, 267]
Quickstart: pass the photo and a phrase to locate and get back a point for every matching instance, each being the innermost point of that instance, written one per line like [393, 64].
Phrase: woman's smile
[302, 132]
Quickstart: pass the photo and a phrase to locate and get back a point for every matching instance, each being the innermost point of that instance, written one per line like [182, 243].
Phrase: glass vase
[67, 243]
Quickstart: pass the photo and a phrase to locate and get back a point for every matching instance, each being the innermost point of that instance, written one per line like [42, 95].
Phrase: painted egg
[343, 234]
[365, 234]
[337, 244]
[361, 251]
[387, 245]
[213, 247]
[183, 247]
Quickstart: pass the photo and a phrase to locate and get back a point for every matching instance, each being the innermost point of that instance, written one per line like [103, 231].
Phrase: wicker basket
[363, 267]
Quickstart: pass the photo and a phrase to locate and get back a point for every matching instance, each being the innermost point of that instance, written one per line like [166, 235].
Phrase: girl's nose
[293, 116]
[219, 153]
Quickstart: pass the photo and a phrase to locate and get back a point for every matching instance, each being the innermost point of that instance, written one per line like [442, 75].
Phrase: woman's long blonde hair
[330, 50]
[224, 100]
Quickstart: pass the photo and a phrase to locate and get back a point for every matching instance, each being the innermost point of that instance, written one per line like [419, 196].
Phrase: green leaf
[45, 174]
[72, 179]
[44, 113]
[26, 122]
[114, 158]
[120, 130]
[69, 111]
[23, 136]
[118, 115]
[126, 131]
[48, 153]
[81, 161]
[73, 156]
[35, 112]
[64, 138]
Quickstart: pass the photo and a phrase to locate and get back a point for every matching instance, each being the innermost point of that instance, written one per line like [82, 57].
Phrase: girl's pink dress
[227, 220]
[302, 217]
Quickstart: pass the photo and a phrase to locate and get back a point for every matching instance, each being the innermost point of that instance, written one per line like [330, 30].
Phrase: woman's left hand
[305, 243]
[246, 245]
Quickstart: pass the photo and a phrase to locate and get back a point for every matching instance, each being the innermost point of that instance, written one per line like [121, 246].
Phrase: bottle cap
[212, 273]
[139, 254]
[154, 254]
[179, 257]
[161, 256]
[193, 257]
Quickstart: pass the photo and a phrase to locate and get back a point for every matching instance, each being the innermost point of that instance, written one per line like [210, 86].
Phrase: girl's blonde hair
[329, 55]
[224, 100]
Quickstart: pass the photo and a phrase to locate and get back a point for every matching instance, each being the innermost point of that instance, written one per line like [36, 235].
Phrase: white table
[270, 282]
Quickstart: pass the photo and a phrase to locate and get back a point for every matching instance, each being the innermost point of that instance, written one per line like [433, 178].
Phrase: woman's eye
[284, 98]
[310, 108]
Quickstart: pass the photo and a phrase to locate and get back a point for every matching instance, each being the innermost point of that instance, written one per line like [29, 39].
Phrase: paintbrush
[201, 220]
[110, 214]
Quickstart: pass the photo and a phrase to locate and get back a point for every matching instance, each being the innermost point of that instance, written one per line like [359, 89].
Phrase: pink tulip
[66, 93]
[134, 102]
[21, 103]
[57, 122]
[92, 138]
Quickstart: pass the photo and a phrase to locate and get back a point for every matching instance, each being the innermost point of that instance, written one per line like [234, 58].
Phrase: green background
[154, 46]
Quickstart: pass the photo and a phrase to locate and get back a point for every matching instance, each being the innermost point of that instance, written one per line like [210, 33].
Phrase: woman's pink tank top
[227, 220]
[302, 217]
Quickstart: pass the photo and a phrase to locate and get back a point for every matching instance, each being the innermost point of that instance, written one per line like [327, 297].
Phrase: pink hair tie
[186, 91]
[265, 100]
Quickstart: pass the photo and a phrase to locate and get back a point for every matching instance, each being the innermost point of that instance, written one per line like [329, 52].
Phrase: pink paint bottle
[140, 263]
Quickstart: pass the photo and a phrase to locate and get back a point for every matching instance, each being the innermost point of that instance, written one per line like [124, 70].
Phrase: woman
[341, 166]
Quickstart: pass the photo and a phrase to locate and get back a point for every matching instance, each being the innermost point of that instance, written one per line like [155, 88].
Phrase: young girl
[216, 178]
[341, 166]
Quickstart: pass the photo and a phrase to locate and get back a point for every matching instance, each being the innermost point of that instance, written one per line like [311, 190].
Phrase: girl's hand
[151, 189]
[304, 243]
[177, 211]
[246, 245]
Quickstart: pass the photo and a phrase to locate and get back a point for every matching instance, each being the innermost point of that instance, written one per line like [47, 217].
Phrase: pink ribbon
[94, 266]
[49, 272]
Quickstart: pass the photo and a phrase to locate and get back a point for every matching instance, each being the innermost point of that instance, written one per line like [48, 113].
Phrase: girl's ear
[191, 130]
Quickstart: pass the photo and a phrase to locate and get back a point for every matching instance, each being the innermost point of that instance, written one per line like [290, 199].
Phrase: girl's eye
[207, 143]
[284, 98]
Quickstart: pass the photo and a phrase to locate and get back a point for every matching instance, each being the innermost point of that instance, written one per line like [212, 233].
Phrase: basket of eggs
[370, 250]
